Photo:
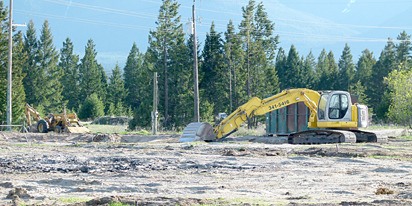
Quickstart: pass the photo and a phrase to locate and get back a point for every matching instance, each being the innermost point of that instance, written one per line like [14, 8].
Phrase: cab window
[322, 106]
[338, 106]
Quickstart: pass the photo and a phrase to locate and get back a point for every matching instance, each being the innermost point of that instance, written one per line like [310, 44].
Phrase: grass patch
[32, 145]
[390, 157]
[381, 127]
[243, 131]
[240, 201]
[107, 129]
[118, 204]
[406, 137]
[72, 200]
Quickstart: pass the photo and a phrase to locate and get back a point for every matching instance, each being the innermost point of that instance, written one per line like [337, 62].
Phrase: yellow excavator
[64, 122]
[333, 118]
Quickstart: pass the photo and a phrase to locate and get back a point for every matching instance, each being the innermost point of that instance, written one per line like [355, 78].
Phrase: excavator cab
[334, 106]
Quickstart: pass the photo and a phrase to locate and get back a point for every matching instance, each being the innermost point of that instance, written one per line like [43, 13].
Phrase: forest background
[234, 65]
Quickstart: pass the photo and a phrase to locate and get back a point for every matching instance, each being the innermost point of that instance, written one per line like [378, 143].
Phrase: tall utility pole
[155, 98]
[9, 73]
[195, 66]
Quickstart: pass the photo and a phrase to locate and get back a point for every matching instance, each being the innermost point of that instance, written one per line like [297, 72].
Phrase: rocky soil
[56, 169]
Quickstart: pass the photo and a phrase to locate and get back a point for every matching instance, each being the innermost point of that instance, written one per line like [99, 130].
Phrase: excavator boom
[257, 107]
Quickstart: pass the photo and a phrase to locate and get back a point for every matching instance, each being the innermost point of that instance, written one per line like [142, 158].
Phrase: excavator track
[363, 136]
[322, 137]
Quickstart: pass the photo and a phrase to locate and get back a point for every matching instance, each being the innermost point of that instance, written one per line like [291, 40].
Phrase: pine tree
[116, 92]
[34, 76]
[326, 71]
[3, 60]
[364, 67]
[140, 80]
[292, 71]
[234, 56]
[376, 89]
[308, 76]
[333, 71]
[70, 81]
[102, 90]
[90, 73]
[215, 75]
[167, 48]
[280, 65]
[260, 45]
[132, 73]
[346, 69]
[403, 49]
[50, 90]
[18, 95]
[246, 30]
[138, 83]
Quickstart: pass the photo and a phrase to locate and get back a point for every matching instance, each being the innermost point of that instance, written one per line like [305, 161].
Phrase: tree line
[235, 65]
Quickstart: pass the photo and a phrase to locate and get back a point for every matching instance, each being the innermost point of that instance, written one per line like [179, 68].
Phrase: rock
[384, 191]
[6, 185]
[84, 169]
[19, 192]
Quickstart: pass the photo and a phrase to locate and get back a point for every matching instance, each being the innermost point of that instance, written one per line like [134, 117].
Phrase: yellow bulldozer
[65, 122]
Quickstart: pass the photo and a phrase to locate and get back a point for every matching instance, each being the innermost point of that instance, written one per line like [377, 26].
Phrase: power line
[82, 20]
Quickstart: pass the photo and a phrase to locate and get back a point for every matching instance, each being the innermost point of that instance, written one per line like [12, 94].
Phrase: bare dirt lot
[55, 169]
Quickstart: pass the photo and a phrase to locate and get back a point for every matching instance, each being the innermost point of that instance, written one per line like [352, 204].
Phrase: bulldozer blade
[77, 130]
[198, 131]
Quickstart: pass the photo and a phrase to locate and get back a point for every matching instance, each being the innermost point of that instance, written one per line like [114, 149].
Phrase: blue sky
[310, 25]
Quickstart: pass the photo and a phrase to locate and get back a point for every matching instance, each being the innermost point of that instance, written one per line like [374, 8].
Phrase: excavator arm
[257, 107]
[29, 112]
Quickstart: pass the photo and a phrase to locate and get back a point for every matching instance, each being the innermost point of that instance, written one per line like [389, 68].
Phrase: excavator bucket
[198, 131]
[77, 130]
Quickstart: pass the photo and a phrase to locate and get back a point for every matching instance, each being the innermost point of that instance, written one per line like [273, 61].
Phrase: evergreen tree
[327, 71]
[181, 77]
[140, 78]
[403, 49]
[116, 92]
[376, 89]
[333, 71]
[3, 60]
[246, 30]
[280, 65]
[308, 76]
[167, 48]
[18, 95]
[92, 107]
[90, 81]
[346, 69]
[132, 77]
[138, 82]
[293, 65]
[50, 90]
[364, 67]
[34, 76]
[234, 56]
[70, 81]
[215, 75]
[102, 90]
[260, 45]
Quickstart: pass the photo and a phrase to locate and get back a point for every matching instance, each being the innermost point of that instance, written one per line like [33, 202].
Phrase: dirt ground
[55, 169]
